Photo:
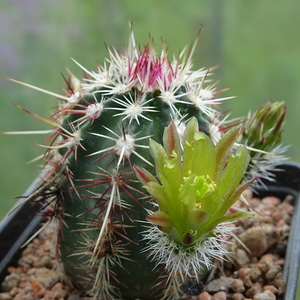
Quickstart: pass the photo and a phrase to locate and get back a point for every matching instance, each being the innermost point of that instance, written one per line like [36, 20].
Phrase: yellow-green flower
[197, 183]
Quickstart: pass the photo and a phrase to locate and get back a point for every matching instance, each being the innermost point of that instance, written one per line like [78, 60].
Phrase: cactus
[262, 130]
[122, 232]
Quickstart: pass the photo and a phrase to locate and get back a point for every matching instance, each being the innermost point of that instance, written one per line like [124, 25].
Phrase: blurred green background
[256, 43]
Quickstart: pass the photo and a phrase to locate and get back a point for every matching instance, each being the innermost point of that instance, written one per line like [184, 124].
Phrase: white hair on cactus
[186, 261]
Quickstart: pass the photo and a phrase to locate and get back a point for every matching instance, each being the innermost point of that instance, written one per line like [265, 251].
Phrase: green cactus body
[105, 192]
[114, 240]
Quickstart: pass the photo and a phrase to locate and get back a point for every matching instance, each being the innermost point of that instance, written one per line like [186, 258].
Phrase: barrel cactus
[139, 174]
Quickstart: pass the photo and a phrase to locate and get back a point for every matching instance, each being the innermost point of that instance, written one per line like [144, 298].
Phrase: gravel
[252, 271]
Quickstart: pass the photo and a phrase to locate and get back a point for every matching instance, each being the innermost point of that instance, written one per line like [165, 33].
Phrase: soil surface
[253, 270]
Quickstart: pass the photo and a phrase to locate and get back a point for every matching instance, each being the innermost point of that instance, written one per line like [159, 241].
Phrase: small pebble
[26, 261]
[237, 286]
[286, 207]
[266, 262]
[238, 296]
[276, 216]
[254, 274]
[271, 288]
[46, 277]
[255, 240]
[280, 262]
[286, 228]
[247, 281]
[203, 296]
[267, 258]
[272, 272]
[272, 201]
[219, 296]
[279, 283]
[25, 294]
[255, 289]
[266, 295]
[31, 250]
[271, 234]
[242, 272]
[5, 296]
[58, 291]
[220, 284]
[45, 261]
[241, 259]
[14, 291]
[255, 202]
[10, 281]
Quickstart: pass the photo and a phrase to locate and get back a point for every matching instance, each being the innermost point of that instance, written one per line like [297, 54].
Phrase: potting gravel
[253, 270]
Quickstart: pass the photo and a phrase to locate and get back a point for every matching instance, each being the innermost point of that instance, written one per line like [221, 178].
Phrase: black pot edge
[17, 227]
